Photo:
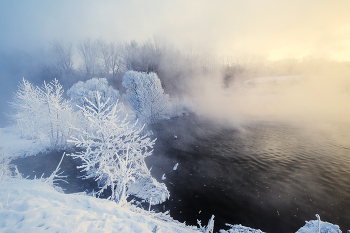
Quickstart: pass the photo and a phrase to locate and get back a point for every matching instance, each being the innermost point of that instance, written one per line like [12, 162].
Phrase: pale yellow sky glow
[284, 29]
[268, 28]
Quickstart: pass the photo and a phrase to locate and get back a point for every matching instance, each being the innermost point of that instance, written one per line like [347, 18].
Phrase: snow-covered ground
[35, 206]
[12, 145]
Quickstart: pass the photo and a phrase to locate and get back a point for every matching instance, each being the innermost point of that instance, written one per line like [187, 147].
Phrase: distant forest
[178, 69]
[89, 58]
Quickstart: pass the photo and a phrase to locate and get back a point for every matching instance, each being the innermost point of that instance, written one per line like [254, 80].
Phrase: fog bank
[311, 96]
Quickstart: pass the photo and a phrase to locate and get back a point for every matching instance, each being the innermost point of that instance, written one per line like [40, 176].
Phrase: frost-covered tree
[58, 111]
[114, 153]
[89, 52]
[112, 58]
[62, 56]
[43, 111]
[142, 57]
[80, 92]
[27, 101]
[146, 96]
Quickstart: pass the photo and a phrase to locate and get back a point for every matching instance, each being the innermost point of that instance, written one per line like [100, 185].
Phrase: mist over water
[287, 156]
[269, 175]
[321, 96]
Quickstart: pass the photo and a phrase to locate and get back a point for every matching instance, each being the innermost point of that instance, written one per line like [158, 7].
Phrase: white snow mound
[240, 229]
[315, 226]
[32, 206]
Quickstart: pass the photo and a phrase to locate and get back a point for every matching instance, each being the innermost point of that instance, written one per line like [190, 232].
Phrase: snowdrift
[33, 206]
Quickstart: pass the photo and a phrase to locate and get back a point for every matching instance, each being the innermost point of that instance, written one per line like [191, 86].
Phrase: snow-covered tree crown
[43, 111]
[81, 91]
[146, 95]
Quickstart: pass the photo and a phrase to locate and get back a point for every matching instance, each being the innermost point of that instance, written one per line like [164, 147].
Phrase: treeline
[90, 58]
[178, 69]
[253, 67]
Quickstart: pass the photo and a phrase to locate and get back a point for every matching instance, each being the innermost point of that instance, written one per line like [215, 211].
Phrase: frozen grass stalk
[319, 223]
[54, 173]
[8, 196]
[150, 204]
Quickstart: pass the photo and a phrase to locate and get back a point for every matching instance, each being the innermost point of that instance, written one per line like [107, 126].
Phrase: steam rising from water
[303, 98]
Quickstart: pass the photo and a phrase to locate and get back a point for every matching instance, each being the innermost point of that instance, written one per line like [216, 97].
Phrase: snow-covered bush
[150, 190]
[319, 227]
[209, 228]
[240, 229]
[4, 167]
[43, 111]
[81, 91]
[114, 151]
[27, 100]
[146, 96]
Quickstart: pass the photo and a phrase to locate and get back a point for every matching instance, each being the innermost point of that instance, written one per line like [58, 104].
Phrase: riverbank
[31, 204]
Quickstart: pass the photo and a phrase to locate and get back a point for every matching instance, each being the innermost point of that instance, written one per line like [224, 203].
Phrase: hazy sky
[270, 28]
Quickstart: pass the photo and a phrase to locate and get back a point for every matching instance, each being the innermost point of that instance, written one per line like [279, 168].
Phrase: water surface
[273, 176]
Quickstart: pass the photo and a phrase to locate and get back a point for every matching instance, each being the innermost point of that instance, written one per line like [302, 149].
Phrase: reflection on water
[269, 175]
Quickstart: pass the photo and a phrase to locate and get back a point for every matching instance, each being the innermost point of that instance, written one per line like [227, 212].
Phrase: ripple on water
[267, 167]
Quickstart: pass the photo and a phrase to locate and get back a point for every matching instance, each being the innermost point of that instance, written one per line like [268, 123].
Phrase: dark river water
[272, 176]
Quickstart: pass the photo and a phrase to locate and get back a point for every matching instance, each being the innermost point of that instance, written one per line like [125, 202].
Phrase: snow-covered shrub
[209, 228]
[150, 190]
[81, 91]
[319, 227]
[43, 111]
[27, 100]
[114, 151]
[240, 229]
[146, 96]
[4, 168]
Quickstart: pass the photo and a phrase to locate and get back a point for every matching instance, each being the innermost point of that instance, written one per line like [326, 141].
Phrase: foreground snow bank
[32, 206]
